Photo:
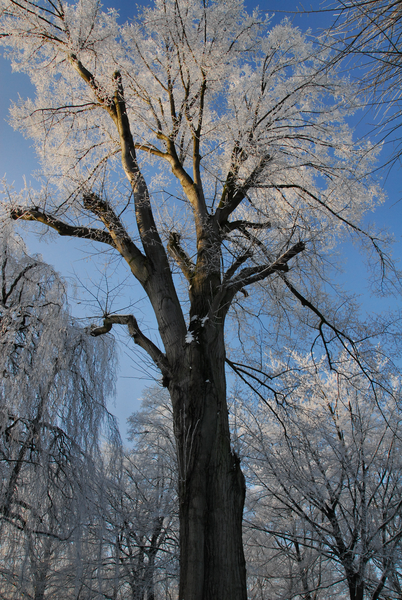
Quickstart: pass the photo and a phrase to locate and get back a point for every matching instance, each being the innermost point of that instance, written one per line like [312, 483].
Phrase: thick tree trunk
[211, 484]
[356, 587]
[40, 570]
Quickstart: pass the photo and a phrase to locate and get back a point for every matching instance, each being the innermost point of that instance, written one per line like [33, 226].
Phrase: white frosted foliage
[55, 382]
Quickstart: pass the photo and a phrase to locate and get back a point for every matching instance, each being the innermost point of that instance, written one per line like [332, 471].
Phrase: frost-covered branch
[328, 477]
[53, 393]
[89, 79]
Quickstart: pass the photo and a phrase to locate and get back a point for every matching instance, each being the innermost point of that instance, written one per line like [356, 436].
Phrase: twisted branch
[139, 338]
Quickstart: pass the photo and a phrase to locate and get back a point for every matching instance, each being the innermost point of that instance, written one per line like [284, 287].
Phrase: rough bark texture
[211, 484]
[356, 587]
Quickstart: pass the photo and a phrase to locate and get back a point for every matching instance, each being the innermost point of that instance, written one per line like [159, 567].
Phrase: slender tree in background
[144, 503]
[72, 521]
[210, 150]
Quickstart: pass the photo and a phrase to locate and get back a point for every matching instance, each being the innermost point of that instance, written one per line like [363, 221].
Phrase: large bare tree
[210, 150]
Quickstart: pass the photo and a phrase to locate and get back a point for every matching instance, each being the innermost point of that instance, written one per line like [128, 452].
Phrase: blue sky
[17, 160]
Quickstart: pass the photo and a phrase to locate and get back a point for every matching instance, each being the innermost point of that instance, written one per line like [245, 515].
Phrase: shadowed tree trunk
[211, 484]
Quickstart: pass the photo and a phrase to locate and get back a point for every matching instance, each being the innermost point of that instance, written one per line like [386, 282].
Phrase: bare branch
[251, 275]
[63, 229]
[237, 264]
[234, 192]
[139, 338]
[240, 224]
[180, 256]
[121, 240]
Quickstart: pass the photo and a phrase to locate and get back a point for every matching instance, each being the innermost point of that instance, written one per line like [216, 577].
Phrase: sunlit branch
[87, 76]
[38, 15]
[190, 188]
[148, 230]
[63, 229]
[197, 137]
[150, 150]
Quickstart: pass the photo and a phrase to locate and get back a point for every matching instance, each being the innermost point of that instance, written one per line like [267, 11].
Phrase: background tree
[143, 521]
[252, 177]
[284, 557]
[326, 479]
[53, 394]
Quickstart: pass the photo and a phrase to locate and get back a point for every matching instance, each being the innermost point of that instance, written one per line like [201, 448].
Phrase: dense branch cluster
[248, 123]
[371, 30]
[325, 485]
